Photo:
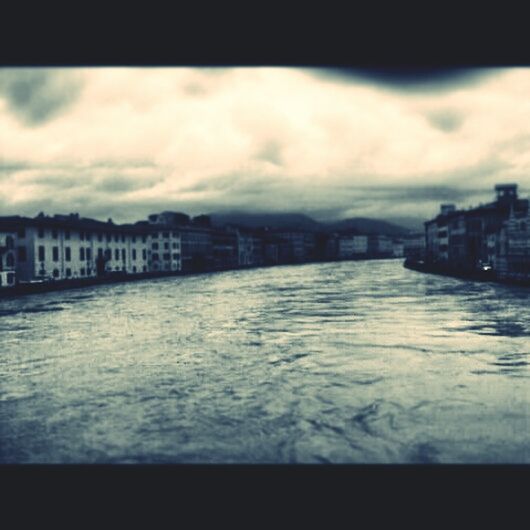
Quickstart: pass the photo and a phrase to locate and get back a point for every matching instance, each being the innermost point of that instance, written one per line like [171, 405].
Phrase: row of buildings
[62, 247]
[493, 236]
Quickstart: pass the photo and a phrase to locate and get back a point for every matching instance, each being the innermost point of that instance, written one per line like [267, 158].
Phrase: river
[350, 362]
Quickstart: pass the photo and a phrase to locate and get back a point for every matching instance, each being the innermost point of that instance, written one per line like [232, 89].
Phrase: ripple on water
[340, 362]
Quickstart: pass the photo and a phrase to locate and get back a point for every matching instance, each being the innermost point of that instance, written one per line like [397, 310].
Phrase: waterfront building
[379, 246]
[351, 246]
[194, 237]
[8, 256]
[414, 246]
[224, 250]
[398, 248]
[67, 246]
[513, 257]
[331, 249]
[468, 239]
[164, 249]
[302, 245]
[249, 247]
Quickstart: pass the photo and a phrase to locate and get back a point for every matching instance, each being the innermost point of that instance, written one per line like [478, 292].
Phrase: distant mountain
[412, 223]
[363, 225]
[272, 220]
[359, 225]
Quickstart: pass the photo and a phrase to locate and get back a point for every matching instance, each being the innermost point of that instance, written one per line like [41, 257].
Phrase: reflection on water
[334, 362]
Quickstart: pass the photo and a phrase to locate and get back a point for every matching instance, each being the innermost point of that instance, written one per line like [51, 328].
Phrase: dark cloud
[124, 183]
[408, 78]
[447, 120]
[36, 96]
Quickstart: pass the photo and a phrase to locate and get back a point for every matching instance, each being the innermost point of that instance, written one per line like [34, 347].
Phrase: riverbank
[476, 276]
[119, 277]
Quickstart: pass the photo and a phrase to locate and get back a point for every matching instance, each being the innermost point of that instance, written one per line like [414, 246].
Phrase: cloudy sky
[331, 143]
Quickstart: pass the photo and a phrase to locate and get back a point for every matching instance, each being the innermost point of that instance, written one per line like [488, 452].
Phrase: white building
[63, 247]
[8, 258]
[164, 249]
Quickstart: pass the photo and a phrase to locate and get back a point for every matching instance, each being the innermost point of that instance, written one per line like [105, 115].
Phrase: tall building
[467, 239]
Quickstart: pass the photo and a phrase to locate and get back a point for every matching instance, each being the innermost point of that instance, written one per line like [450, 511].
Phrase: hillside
[272, 220]
[363, 225]
[359, 225]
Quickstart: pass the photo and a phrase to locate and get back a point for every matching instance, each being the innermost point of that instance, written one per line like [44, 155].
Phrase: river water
[350, 362]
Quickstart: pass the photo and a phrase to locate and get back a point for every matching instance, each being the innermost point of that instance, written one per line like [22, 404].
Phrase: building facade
[474, 238]
[66, 247]
[8, 257]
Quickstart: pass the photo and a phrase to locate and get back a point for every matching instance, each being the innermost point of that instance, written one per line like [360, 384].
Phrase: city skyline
[330, 143]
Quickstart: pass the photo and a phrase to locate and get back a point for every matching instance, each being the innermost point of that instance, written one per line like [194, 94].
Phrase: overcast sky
[126, 142]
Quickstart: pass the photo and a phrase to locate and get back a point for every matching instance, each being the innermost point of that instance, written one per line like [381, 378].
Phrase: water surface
[351, 362]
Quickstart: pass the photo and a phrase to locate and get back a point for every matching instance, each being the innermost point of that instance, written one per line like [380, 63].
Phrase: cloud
[141, 140]
[408, 79]
[36, 96]
[447, 120]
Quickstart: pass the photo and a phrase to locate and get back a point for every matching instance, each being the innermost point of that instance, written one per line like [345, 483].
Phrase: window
[154, 235]
[82, 254]
[21, 232]
[68, 273]
[10, 260]
[123, 238]
[174, 245]
[117, 254]
[166, 234]
[154, 246]
[41, 232]
[166, 246]
[42, 254]
[88, 254]
[82, 271]
[54, 233]
[67, 254]
[42, 272]
[9, 242]
[176, 256]
[144, 254]
[88, 271]
[134, 255]
[134, 269]
[56, 273]
[108, 254]
[109, 238]
[144, 239]
[88, 236]
[100, 237]
[22, 255]
[155, 257]
[67, 234]
[55, 251]
[144, 268]
[134, 239]
[82, 236]
[167, 256]
[123, 254]
[116, 237]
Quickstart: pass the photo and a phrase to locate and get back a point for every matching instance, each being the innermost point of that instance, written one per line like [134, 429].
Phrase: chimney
[506, 193]
[447, 208]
